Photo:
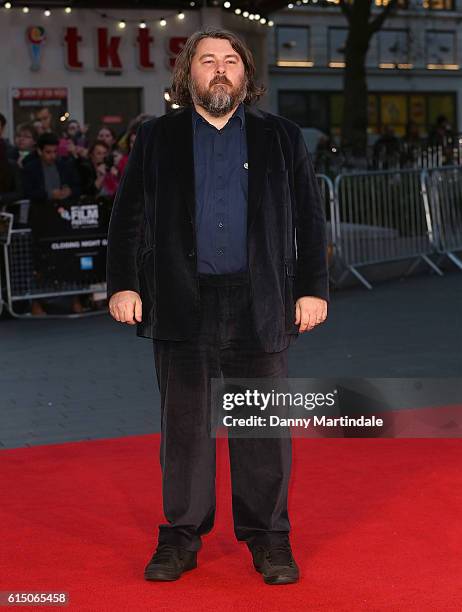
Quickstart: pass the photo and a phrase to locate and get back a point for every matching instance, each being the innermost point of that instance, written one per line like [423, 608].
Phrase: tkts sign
[108, 56]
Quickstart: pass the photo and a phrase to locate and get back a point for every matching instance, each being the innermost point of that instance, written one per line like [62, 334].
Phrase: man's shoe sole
[280, 579]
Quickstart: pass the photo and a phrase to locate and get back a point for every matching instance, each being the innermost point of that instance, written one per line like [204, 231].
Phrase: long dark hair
[180, 93]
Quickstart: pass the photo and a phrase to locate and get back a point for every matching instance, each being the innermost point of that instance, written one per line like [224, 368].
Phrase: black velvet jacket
[151, 239]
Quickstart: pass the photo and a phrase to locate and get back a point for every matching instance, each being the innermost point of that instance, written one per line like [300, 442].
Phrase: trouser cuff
[179, 537]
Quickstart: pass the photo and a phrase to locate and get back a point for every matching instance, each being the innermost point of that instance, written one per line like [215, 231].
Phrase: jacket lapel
[259, 133]
[179, 138]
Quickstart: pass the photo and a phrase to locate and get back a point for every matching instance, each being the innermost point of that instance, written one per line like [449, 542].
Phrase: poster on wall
[46, 107]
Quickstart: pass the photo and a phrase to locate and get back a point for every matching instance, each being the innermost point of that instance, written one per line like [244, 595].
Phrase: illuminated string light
[122, 23]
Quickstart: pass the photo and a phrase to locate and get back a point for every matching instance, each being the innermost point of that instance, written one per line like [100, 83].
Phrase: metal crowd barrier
[444, 192]
[383, 216]
[6, 225]
[22, 282]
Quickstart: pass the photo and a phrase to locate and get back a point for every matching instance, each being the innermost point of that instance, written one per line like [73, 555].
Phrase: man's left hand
[309, 312]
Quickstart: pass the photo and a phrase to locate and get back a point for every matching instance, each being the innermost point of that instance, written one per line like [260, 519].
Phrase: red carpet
[377, 525]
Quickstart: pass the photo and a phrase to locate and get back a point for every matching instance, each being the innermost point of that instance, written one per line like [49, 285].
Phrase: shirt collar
[239, 112]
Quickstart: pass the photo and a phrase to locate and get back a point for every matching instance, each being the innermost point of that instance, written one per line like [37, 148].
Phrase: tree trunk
[360, 32]
[355, 120]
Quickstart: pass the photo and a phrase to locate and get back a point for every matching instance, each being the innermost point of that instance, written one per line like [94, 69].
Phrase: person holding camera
[100, 172]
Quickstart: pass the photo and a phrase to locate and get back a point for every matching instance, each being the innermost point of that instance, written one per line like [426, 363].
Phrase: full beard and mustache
[218, 100]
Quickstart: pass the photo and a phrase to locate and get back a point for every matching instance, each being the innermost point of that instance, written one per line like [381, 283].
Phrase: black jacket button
[191, 253]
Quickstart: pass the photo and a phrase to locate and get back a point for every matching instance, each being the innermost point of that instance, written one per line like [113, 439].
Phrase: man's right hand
[125, 307]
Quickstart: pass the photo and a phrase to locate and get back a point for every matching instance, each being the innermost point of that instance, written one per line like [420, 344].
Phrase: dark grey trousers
[260, 467]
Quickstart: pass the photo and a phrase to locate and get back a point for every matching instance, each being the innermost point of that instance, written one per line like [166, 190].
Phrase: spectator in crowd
[124, 141]
[386, 148]
[46, 119]
[73, 140]
[412, 136]
[120, 161]
[38, 126]
[77, 133]
[10, 178]
[107, 135]
[48, 178]
[442, 137]
[411, 145]
[26, 142]
[441, 132]
[99, 176]
[127, 140]
[131, 140]
[11, 151]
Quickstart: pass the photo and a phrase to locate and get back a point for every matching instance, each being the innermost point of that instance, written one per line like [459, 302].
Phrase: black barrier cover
[70, 241]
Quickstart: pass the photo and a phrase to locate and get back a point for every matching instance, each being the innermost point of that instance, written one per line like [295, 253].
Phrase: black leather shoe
[169, 562]
[275, 562]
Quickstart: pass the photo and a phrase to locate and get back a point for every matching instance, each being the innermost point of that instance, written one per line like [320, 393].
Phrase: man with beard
[202, 257]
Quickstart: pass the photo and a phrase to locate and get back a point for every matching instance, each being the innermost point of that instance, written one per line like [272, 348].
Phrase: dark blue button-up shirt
[220, 168]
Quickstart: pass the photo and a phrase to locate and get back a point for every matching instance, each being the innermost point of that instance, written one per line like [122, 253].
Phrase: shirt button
[220, 224]
[220, 251]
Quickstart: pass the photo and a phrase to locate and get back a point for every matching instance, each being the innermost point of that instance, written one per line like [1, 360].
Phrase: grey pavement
[79, 379]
